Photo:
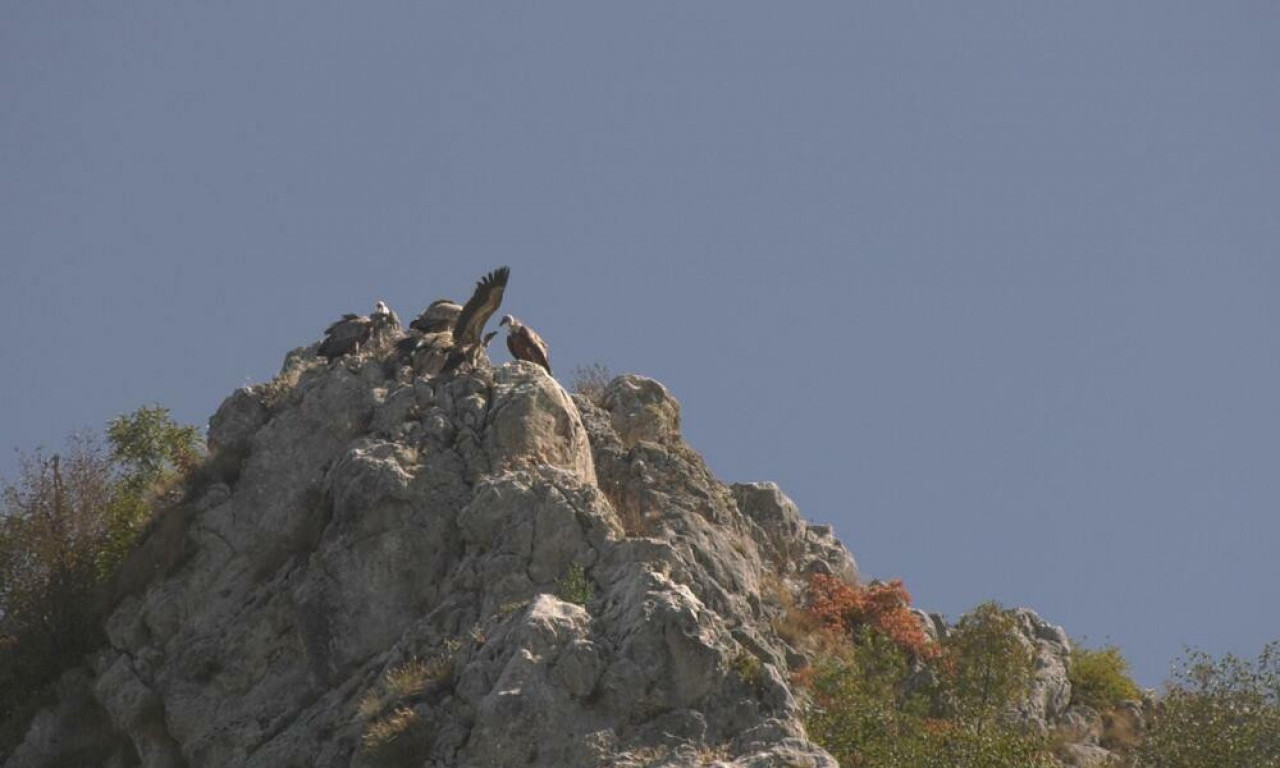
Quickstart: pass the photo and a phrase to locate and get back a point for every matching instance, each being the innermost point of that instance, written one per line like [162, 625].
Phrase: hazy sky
[992, 287]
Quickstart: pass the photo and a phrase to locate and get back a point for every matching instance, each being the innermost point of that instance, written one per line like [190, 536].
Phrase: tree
[987, 666]
[882, 696]
[52, 523]
[66, 520]
[150, 448]
[1222, 712]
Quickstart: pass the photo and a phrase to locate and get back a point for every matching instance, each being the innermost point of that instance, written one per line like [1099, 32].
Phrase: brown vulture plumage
[469, 327]
[524, 343]
[350, 332]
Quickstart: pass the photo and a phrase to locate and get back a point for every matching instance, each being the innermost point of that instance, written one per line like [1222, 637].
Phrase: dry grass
[798, 627]
[412, 678]
[395, 734]
[1121, 730]
[634, 515]
[398, 739]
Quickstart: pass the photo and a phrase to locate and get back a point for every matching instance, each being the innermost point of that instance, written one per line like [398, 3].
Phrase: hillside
[465, 570]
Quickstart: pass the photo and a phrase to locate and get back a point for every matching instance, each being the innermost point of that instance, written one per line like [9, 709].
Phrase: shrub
[1222, 712]
[865, 712]
[883, 607]
[575, 586]
[53, 530]
[748, 668]
[66, 522]
[1100, 678]
[877, 701]
[590, 381]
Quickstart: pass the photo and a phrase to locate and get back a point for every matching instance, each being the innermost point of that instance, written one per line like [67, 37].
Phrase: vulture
[525, 343]
[350, 332]
[385, 318]
[439, 316]
[469, 327]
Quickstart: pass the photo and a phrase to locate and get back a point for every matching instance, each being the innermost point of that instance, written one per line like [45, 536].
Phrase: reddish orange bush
[884, 608]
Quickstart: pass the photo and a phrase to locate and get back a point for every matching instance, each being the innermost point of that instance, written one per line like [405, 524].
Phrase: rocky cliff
[469, 570]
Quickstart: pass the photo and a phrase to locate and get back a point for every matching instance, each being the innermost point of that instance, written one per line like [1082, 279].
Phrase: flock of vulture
[445, 337]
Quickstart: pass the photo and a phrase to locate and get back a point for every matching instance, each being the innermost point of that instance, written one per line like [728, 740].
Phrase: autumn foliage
[884, 608]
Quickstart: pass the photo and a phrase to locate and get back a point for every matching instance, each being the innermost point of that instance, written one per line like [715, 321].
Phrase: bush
[590, 381]
[54, 528]
[883, 607]
[575, 586]
[1100, 678]
[884, 696]
[1221, 712]
[66, 522]
[867, 712]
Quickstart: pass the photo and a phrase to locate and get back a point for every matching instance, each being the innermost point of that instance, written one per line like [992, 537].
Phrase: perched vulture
[351, 332]
[384, 318]
[345, 335]
[468, 328]
[525, 343]
[426, 353]
[439, 316]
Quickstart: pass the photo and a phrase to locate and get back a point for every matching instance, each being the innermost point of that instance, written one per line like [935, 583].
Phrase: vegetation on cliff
[66, 523]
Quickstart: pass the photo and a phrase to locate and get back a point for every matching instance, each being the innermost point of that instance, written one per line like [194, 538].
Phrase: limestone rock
[519, 576]
[642, 409]
[501, 573]
[1050, 687]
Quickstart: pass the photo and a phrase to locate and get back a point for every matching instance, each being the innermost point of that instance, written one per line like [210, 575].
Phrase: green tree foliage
[66, 520]
[877, 704]
[1222, 712]
[150, 452]
[52, 527]
[1100, 678]
[150, 448]
[987, 665]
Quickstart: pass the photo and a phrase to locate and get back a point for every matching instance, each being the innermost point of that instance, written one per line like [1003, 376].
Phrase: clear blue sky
[992, 287]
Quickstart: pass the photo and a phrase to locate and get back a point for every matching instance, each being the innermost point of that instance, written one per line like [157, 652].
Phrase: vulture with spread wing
[469, 327]
[439, 316]
[524, 343]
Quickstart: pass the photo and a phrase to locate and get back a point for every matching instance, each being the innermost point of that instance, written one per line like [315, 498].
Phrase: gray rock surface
[385, 566]
[491, 571]
[1050, 687]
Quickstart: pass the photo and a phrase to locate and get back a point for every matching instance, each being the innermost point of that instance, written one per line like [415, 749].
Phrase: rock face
[468, 570]
[389, 569]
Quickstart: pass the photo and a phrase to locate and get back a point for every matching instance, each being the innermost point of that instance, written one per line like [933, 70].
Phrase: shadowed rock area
[469, 570]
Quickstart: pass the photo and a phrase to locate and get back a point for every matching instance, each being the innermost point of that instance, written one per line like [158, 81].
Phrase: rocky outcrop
[383, 567]
[479, 566]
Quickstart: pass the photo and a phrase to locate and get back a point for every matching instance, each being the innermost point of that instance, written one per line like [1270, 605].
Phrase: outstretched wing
[526, 344]
[482, 304]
